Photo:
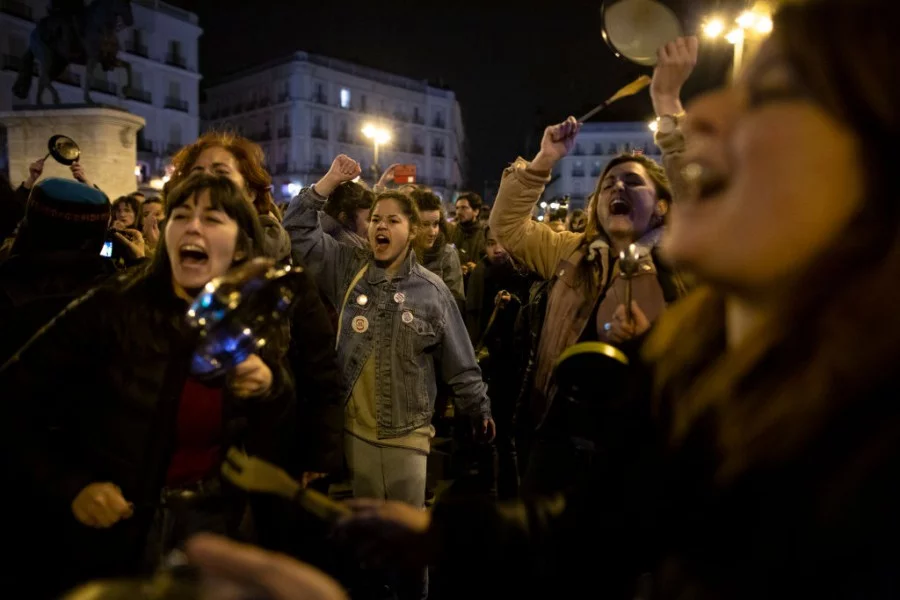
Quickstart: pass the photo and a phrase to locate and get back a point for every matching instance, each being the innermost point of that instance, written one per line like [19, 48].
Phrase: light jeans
[386, 473]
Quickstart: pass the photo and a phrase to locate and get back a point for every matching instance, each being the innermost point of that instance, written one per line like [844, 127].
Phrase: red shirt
[198, 434]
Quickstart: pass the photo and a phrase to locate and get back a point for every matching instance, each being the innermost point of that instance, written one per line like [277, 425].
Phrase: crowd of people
[739, 441]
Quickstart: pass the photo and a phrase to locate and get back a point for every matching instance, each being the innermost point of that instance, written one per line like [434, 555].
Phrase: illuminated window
[345, 98]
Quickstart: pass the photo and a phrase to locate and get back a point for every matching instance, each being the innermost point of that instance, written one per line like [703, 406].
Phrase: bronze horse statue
[87, 36]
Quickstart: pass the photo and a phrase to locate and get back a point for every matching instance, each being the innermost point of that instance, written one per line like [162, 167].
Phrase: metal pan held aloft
[636, 29]
[236, 314]
[63, 149]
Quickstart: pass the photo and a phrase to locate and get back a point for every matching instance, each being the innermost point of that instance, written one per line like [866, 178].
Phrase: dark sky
[515, 67]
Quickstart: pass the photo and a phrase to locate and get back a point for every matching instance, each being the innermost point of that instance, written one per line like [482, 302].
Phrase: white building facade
[161, 47]
[306, 109]
[576, 175]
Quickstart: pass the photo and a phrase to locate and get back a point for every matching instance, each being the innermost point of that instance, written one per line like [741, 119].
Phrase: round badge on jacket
[360, 324]
[362, 299]
[407, 317]
[399, 297]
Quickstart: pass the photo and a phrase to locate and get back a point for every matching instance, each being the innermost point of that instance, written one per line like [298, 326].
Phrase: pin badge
[362, 299]
[399, 297]
[407, 317]
[360, 324]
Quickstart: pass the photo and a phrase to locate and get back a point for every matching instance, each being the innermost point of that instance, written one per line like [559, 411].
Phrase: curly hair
[251, 164]
[135, 205]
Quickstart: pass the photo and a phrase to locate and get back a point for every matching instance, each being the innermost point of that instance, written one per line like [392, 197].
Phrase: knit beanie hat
[63, 214]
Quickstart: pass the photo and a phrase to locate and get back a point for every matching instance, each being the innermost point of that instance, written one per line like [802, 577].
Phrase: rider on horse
[68, 13]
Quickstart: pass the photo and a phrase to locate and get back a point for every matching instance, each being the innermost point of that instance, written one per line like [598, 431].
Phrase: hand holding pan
[636, 30]
[63, 149]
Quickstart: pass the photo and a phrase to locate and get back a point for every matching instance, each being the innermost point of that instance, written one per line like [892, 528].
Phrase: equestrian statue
[73, 33]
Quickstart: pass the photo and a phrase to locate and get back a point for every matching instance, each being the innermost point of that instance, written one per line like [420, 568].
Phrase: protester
[153, 213]
[468, 231]
[346, 213]
[388, 302]
[584, 297]
[124, 464]
[497, 289]
[576, 221]
[55, 258]
[242, 161]
[12, 212]
[434, 252]
[766, 465]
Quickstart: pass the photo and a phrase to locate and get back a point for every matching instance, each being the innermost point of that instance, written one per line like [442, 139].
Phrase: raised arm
[676, 61]
[532, 243]
[324, 257]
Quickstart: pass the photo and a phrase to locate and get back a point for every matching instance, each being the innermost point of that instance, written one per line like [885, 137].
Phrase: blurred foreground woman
[768, 463]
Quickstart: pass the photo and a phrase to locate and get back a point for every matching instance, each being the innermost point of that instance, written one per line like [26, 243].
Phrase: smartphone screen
[107, 249]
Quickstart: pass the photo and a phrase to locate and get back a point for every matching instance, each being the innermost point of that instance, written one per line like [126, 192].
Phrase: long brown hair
[771, 396]
[250, 158]
[408, 207]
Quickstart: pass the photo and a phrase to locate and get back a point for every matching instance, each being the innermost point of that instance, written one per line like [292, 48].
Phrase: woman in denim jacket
[399, 333]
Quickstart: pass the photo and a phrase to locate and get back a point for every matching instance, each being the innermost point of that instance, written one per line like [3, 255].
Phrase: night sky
[515, 67]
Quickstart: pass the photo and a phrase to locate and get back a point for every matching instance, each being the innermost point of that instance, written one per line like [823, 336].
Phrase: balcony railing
[437, 152]
[320, 98]
[344, 138]
[176, 103]
[176, 60]
[172, 148]
[416, 149]
[439, 123]
[577, 172]
[418, 119]
[319, 134]
[578, 151]
[101, 85]
[264, 102]
[595, 171]
[140, 95]
[17, 9]
[598, 149]
[136, 48]
[399, 116]
[284, 132]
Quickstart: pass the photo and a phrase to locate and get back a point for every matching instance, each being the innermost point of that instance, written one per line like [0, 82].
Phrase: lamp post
[378, 135]
[753, 25]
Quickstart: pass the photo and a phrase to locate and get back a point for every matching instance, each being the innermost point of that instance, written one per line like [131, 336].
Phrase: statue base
[105, 135]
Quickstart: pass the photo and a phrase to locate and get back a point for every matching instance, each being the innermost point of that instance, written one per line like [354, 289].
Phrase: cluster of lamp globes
[747, 23]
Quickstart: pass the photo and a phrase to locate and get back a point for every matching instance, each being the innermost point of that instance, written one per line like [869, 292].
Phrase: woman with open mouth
[400, 334]
[585, 294]
[117, 445]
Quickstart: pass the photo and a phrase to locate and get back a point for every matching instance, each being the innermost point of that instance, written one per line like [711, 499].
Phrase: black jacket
[35, 288]
[94, 398]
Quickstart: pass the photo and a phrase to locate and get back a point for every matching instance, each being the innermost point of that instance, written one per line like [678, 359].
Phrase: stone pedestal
[106, 137]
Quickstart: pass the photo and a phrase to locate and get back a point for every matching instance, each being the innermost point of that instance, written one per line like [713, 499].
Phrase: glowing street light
[653, 125]
[748, 23]
[378, 135]
[713, 28]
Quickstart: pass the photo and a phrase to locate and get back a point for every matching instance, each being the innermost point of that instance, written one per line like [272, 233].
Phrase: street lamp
[750, 23]
[378, 135]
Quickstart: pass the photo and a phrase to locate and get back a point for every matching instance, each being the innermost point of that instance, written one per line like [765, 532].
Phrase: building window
[362, 103]
[174, 89]
[345, 98]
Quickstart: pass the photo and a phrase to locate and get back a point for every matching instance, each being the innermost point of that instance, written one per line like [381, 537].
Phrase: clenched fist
[101, 505]
[556, 143]
[343, 169]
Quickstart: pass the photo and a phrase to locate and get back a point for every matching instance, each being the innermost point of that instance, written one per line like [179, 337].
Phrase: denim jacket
[410, 322]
